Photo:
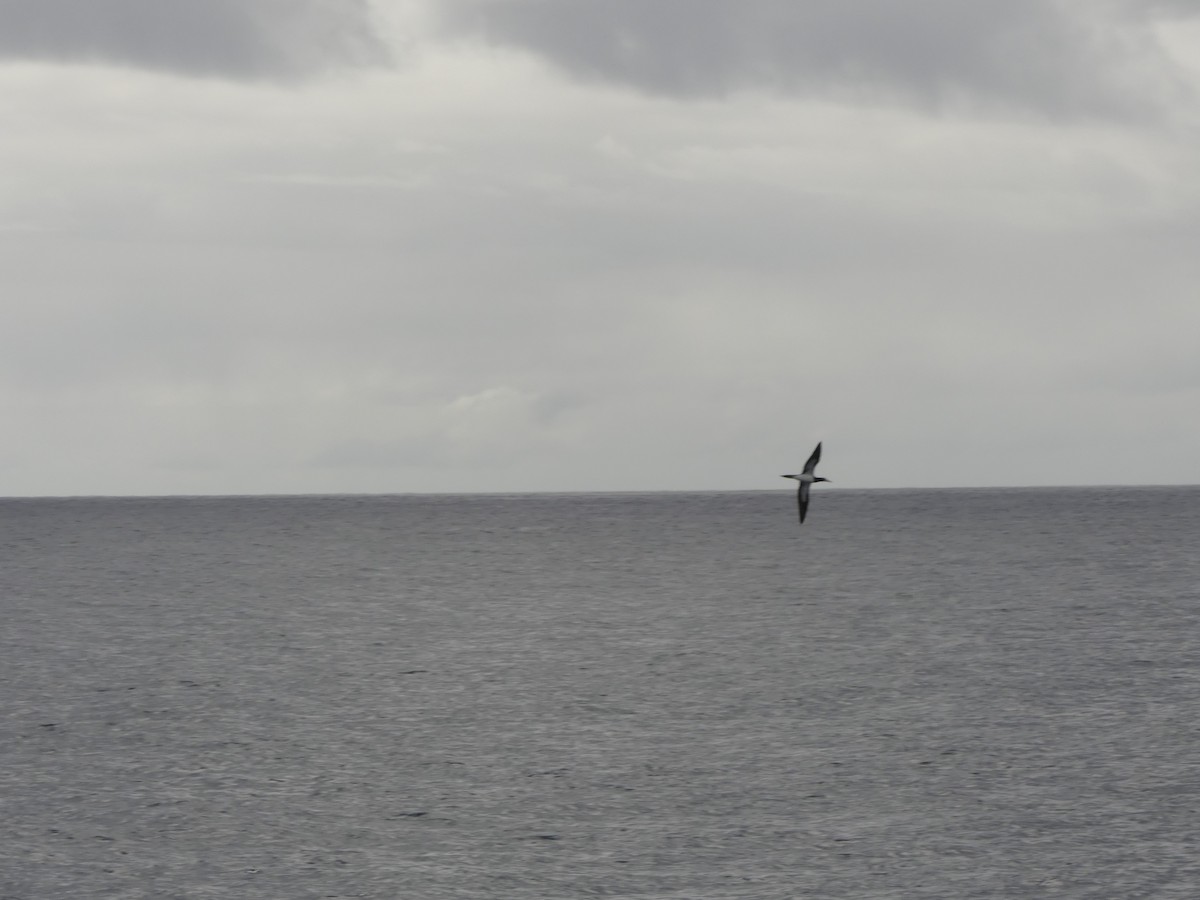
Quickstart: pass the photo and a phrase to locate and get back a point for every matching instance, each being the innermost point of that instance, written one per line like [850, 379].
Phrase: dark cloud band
[230, 38]
[1059, 58]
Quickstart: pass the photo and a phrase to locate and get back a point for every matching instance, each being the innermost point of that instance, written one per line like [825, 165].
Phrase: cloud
[1181, 8]
[472, 273]
[231, 38]
[1061, 58]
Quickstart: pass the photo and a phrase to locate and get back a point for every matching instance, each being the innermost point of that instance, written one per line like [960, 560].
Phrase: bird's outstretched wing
[813, 460]
[802, 499]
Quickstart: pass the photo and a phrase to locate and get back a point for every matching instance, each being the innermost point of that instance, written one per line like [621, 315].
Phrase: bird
[807, 479]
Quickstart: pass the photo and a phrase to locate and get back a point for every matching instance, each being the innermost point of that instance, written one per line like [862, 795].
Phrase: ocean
[917, 694]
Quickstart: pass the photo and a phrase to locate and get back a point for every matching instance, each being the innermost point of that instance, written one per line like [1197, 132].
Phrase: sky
[386, 246]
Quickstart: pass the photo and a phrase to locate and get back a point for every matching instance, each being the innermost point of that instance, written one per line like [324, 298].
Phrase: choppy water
[919, 694]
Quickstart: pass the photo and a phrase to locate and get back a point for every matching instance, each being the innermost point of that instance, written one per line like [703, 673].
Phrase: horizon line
[569, 492]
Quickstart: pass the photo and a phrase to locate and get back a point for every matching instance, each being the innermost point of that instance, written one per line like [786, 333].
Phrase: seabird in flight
[806, 479]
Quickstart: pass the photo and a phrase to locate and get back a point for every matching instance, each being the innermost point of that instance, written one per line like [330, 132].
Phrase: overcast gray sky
[265, 246]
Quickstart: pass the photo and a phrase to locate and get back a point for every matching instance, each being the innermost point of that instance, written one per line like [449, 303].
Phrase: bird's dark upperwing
[813, 460]
[802, 499]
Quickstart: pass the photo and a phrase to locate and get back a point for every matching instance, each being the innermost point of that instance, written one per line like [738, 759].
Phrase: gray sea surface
[917, 694]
